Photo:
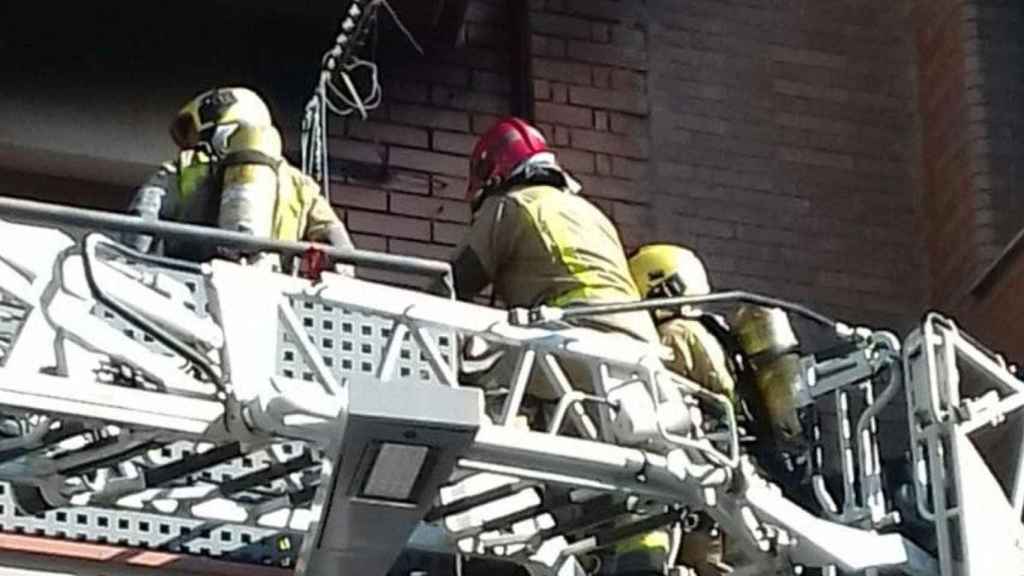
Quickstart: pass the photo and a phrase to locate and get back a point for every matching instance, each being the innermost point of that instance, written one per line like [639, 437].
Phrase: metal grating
[155, 531]
[353, 343]
[12, 316]
[350, 342]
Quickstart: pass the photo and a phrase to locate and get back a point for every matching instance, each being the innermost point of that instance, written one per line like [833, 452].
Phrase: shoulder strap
[250, 157]
[540, 177]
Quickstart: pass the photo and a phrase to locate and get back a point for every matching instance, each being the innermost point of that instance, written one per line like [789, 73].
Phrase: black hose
[141, 323]
[677, 301]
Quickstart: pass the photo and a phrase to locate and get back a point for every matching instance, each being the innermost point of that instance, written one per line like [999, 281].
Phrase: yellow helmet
[197, 119]
[661, 270]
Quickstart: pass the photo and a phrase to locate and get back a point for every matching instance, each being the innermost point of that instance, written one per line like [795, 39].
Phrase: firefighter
[665, 271]
[536, 241]
[230, 173]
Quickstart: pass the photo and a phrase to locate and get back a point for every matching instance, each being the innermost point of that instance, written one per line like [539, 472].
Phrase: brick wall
[994, 313]
[775, 140]
[778, 139]
[995, 94]
[971, 122]
[589, 62]
[782, 138]
[953, 214]
[407, 164]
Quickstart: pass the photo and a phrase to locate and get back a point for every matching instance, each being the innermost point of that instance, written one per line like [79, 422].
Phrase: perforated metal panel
[353, 343]
[350, 343]
[12, 317]
[149, 531]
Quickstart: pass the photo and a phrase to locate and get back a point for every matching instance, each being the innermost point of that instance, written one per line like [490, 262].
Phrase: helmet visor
[671, 287]
[183, 132]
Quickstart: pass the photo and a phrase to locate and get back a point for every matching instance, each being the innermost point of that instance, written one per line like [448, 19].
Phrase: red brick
[600, 32]
[559, 93]
[370, 242]
[635, 236]
[705, 226]
[608, 143]
[611, 188]
[430, 117]
[562, 137]
[454, 142]
[628, 169]
[602, 77]
[358, 197]
[472, 101]
[388, 133]
[428, 161]
[767, 235]
[490, 82]
[547, 46]
[601, 121]
[605, 206]
[628, 37]
[420, 249]
[561, 71]
[631, 125]
[541, 90]
[596, 98]
[561, 26]
[564, 115]
[810, 91]
[628, 80]
[356, 151]
[607, 54]
[448, 187]
[484, 122]
[415, 182]
[807, 57]
[436, 73]
[603, 164]
[702, 124]
[447, 233]
[815, 158]
[388, 225]
[575, 160]
[607, 9]
[430, 207]
[406, 91]
[630, 214]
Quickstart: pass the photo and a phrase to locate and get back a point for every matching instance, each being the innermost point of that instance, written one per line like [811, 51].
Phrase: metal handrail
[98, 219]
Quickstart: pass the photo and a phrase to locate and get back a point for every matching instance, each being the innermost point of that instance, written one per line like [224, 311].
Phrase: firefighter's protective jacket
[697, 355]
[189, 190]
[538, 244]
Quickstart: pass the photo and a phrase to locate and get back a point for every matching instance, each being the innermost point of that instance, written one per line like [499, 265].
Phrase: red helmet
[500, 150]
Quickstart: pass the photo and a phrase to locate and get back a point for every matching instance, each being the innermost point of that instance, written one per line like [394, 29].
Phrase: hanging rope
[336, 92]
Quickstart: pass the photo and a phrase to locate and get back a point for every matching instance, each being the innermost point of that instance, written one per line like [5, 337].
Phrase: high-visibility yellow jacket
[189, 188]
[542, 245]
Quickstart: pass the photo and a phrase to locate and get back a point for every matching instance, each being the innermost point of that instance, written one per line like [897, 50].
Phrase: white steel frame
[638, 450]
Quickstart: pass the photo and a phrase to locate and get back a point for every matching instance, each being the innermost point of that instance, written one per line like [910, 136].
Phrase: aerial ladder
[160, 416]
